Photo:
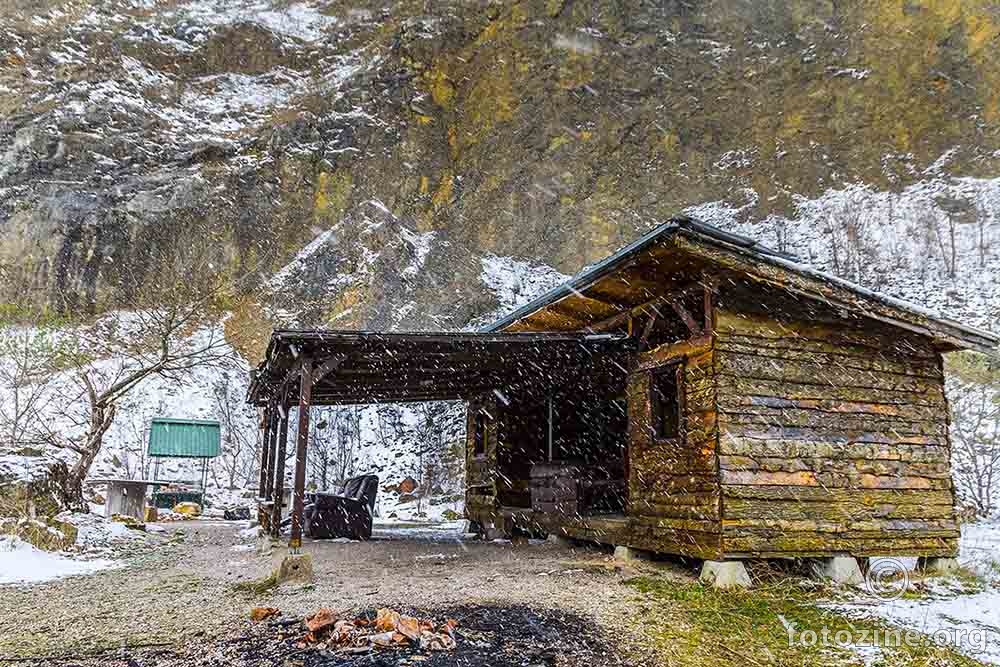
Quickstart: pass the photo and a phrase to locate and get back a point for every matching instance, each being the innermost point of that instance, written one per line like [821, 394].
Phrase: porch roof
[372, 367]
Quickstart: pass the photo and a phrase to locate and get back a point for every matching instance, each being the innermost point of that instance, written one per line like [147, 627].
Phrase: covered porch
[544, 408]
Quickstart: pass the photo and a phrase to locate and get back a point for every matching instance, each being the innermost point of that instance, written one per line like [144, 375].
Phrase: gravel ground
[176, 603]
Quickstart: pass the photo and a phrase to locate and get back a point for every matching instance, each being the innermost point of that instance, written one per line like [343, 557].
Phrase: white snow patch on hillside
[515, 282]
[298, 262]
[21, 563]
[230, 102]
[421, 244]
[300, 20]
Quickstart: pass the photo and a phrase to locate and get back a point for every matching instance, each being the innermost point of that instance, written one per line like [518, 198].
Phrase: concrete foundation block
[628, 554]
[940, 566]
[560, 541]
[724, 574]
[840, 570]
[491, 533]
[295, 567]
[266, 544]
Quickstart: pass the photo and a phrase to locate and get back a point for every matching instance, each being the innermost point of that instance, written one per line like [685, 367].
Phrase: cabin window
[479, 435]
[666, 385]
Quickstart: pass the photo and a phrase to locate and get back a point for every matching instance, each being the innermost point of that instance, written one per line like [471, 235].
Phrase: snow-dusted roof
[766, 263]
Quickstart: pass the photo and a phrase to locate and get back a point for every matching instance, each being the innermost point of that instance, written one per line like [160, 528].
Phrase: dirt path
[178, 600]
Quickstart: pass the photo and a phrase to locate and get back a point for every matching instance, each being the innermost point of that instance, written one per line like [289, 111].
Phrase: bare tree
[241, 441]
[133, 459]
[168, 331]
[30, 358]
[336, 441]
[974, 393]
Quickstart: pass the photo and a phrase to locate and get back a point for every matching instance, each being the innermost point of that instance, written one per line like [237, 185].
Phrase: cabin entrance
[564, 450]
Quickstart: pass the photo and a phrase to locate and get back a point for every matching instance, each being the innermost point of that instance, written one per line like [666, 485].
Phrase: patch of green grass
[695, 625]
[258, 586]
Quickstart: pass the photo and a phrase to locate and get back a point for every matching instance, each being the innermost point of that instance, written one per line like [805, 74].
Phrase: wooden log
[733, 385]
[864, 497]
[812, 351]
[736, 445]
[809, 478]
[849, 467]
[796, 371]
[741, 508]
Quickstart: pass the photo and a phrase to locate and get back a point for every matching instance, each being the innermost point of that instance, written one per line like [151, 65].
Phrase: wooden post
[549, 435]
[263, 452]
[299, 490]
[279, 471]
[269, 452]
[711, 285]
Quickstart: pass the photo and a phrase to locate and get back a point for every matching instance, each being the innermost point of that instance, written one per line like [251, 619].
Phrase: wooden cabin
[694, 394]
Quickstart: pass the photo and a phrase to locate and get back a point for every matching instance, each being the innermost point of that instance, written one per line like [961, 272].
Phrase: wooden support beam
[647, 330]
[654, 303]
[279, 471]
[299, 490]
[266, 428]
[271, 444]
[685, 315]
[710, 286]
[327, 367]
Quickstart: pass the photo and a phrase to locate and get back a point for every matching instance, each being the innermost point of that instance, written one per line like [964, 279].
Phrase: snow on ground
[94, 531]
[969, 621]
[445, 531]
[20, 562]
[393, 511]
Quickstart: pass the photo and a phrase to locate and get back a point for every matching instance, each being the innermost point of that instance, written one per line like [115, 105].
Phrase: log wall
[831, 440]
[673, 487]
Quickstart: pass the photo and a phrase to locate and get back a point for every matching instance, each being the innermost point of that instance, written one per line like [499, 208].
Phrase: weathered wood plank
[846, 509]
[764, 544]
[789, 433]
[892, 527]
[753, 419]
[734, 445]
[865, 497]
[849, 467]
[771, 405]
[733, 385]
[863, 359]
[809, 478]
[840, 336]
[794, 371]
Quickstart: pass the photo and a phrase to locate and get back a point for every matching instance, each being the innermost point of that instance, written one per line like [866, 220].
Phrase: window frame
[655, 405]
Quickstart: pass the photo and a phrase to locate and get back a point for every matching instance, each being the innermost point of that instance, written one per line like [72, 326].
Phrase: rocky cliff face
[357, 164]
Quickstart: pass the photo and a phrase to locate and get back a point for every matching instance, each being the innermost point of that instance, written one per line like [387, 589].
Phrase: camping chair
[344, 513]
